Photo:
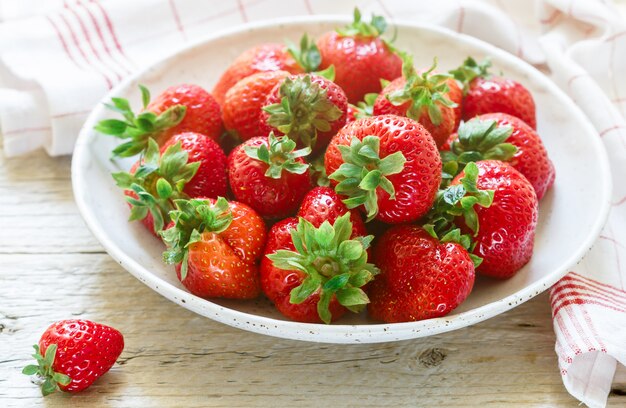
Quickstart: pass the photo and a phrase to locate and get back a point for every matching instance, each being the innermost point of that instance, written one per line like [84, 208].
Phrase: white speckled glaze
[571, 214]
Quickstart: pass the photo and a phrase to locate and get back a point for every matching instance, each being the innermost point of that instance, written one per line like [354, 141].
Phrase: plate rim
[335, 333]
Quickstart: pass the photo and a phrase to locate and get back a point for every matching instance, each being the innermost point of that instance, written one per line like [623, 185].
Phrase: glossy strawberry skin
[243, 102]
[421, 278]
[439, 133]
[501, 95]
[224, 265]
[417, 184]
[507, 228]
[335, 94]
[262, 58]
[367, 59]
[320, 204]
[203, 114]
[455, 94]
[85, 350]
[271, 198]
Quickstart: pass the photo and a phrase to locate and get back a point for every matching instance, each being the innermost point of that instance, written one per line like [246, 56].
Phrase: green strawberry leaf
[48, 378]
[280, 156]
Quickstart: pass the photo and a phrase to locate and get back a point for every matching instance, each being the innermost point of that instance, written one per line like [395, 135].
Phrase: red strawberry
[308, 108]
[485, 93]
[316, 274]
[262, 58]
[483, 138]
[202, 114]
[421, 278]
[243, 102]
[507, 228]
[423, 97]
[215, 245]
[189, 165]
[361, 58]
[387, 164]
[72, 354]
[269, 176]
[455, 94]
[323, 204]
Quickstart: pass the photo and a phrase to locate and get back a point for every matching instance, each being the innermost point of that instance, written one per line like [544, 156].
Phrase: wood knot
[432, 357]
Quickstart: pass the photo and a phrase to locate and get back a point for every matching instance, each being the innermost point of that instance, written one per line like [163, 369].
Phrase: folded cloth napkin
[58, 57]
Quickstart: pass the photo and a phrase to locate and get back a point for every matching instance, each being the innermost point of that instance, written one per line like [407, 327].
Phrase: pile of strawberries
[335, 176]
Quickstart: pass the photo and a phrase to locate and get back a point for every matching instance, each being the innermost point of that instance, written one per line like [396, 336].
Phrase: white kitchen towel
[58, 57]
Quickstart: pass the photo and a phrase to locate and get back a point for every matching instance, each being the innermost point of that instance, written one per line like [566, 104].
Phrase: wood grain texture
[52, 268]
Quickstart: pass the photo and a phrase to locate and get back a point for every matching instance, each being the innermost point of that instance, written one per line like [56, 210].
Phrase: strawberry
[315, 274]
[421, 277]
[455, 94]
[72, 354]
[268, 57]
[360, 56]
[308, 108]
[215, 245]
[387, 164]
[423, 97]
[189, 165]
[507, 228]
[323, 204]
[243, 102]
[483, 138]
[180, 108]
[485, 93]
[363, 108]
[269, 176]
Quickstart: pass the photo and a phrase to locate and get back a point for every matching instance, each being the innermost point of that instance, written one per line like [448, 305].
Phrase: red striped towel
[58, 57]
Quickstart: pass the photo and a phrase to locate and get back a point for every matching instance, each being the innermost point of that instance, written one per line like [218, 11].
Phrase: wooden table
[51, 268]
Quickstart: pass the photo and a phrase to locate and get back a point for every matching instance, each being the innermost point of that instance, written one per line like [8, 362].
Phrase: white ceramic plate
[570, 219]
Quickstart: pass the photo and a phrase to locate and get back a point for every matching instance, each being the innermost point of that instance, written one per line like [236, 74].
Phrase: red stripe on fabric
[82, 53]
[575, 285]
[179, 25]
[242, 11]
[594, 332]
[551, 17]
[613, 240]
[577, 76]
[459, 25]
[568, 337]
[615, 36]
[309, 8]
[581, 301]
[384, 8]
[98, 29]
[573, 290]
[620, 201]
[83, 28]
[62, 41]
[24, 130]
[109, 24]
[578, 327]
[596, 283]
[612, 128]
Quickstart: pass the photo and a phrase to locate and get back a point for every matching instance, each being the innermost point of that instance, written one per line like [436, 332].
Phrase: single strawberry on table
[180, 108]
[360, 56]
[189, 165]
[242, 106]
[506, 235]
[315, 274]
[487, 93]
[72, 354]
[498, 136]
[424, 97]
[271, 177]
[308, 108]
[215, 246]
[268, 57]
[388, 165]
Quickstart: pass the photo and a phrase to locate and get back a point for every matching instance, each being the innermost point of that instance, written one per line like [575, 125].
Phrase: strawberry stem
[375, 28]
[48, 378]
[363, 172]
[280, 156]
[334, 264]
[470, 70]
[307, 55]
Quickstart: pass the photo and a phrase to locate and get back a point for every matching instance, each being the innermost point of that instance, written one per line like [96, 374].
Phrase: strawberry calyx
[280, 156]
[191, 219]
[458, 201]
[157, 182]
[375, 28]
[363, 172]
[334, 264]
[318, 172]
[424, 91]
[307, 55]
[47, 377]
[365, 108]
[470, 70]
[477, 140]
[304, 110]
[137, 129]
